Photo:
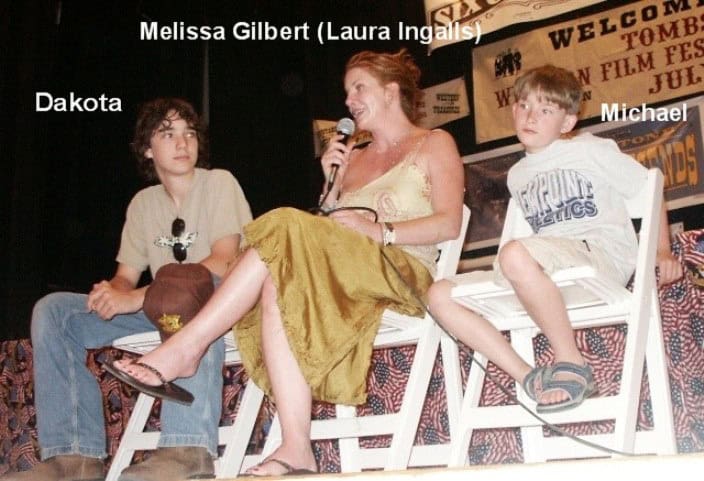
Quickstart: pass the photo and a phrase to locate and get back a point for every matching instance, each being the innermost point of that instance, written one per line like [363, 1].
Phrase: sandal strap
[284, 464]
[151, 369]
[585, 371]
[573, 389]
[529, 381]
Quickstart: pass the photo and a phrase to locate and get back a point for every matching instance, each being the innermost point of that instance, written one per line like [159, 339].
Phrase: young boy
[571, 192]
[192, 215]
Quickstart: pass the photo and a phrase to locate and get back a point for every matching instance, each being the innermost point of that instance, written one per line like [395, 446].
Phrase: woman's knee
[284, 215]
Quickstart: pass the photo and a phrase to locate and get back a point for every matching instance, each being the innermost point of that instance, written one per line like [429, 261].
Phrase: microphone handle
[334, 167]
[333, 174]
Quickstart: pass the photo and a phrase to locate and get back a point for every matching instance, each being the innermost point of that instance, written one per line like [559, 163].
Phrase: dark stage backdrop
[67, 177]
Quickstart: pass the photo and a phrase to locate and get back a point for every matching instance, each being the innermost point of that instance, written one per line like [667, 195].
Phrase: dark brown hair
[554, 84]
[396, 67]
[161, 112]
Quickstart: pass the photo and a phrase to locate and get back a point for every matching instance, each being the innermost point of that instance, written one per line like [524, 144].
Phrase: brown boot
[185, 462]
[68, 467]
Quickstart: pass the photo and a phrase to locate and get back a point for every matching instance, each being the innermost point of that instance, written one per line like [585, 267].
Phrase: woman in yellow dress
[306, 297]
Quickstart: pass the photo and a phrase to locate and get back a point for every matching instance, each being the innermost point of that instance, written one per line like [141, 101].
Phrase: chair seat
[144, 342]
[587, 295]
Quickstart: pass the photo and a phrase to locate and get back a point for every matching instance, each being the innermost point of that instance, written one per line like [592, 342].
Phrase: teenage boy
[572, 193]
[191, 215]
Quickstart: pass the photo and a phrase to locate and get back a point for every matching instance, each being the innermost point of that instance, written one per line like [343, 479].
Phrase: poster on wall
[485, 17]
[444, 103]
[675, 147]
[656, 46]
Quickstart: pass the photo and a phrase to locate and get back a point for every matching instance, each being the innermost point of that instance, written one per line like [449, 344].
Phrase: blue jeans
[67, 396]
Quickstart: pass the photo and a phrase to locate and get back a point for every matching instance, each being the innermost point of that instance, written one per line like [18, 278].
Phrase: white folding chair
[592, 301]
[399, 330]
[235, 438]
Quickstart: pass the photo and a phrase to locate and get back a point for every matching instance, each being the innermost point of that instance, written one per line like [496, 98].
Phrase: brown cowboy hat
[176, 295]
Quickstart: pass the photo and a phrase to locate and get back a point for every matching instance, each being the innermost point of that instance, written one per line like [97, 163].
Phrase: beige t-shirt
[215, 208]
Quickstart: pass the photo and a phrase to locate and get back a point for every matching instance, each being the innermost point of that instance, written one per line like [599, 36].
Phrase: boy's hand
[107, 301]
[668, 267]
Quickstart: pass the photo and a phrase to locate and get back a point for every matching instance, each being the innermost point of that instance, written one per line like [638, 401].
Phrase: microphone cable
[512, 397]
[322, 211]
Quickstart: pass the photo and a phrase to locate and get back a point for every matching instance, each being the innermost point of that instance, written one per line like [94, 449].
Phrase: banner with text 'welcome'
[645, 52]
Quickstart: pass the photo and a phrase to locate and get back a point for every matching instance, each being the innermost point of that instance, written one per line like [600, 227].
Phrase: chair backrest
[393, 323]
[451, 250]
[647, 206]
[644, 206]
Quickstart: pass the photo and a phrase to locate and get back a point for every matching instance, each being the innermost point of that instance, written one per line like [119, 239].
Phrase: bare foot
[170, 359]
[554, 396]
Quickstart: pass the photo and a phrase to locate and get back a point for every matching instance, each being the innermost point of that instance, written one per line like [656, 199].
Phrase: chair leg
[130, 441]
[349, 447]
[414, 395]
[626, 413]
[273, 437]
[531, 436]
[236, 437]
[453, 383]
[659, 382]
[472, 396]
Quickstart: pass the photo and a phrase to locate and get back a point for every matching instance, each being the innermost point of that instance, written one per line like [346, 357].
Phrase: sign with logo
[490, 15]
[444, 103]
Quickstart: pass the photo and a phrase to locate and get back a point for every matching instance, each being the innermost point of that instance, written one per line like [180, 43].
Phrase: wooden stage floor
[682, 467]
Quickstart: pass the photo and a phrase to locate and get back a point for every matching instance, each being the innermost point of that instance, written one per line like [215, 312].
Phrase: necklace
[394, 145]
[393, 154]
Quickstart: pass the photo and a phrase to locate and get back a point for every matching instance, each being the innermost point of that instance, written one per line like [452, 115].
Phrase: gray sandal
[577, 390]
[529, 381]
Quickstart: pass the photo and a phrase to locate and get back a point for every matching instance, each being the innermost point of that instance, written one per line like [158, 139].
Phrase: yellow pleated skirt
[333, 285]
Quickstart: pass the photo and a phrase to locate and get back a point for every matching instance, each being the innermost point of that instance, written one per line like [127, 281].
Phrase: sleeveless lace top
[400, 194]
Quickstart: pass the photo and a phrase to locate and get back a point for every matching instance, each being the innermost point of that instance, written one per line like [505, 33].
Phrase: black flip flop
[166, 390]
[290, 470]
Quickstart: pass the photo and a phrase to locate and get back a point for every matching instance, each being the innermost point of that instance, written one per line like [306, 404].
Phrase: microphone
[345, 127]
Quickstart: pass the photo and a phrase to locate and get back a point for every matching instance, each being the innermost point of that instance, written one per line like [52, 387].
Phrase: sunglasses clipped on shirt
[178, 227]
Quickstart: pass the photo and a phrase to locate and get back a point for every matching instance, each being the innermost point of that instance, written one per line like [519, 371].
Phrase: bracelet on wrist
[388, 234]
